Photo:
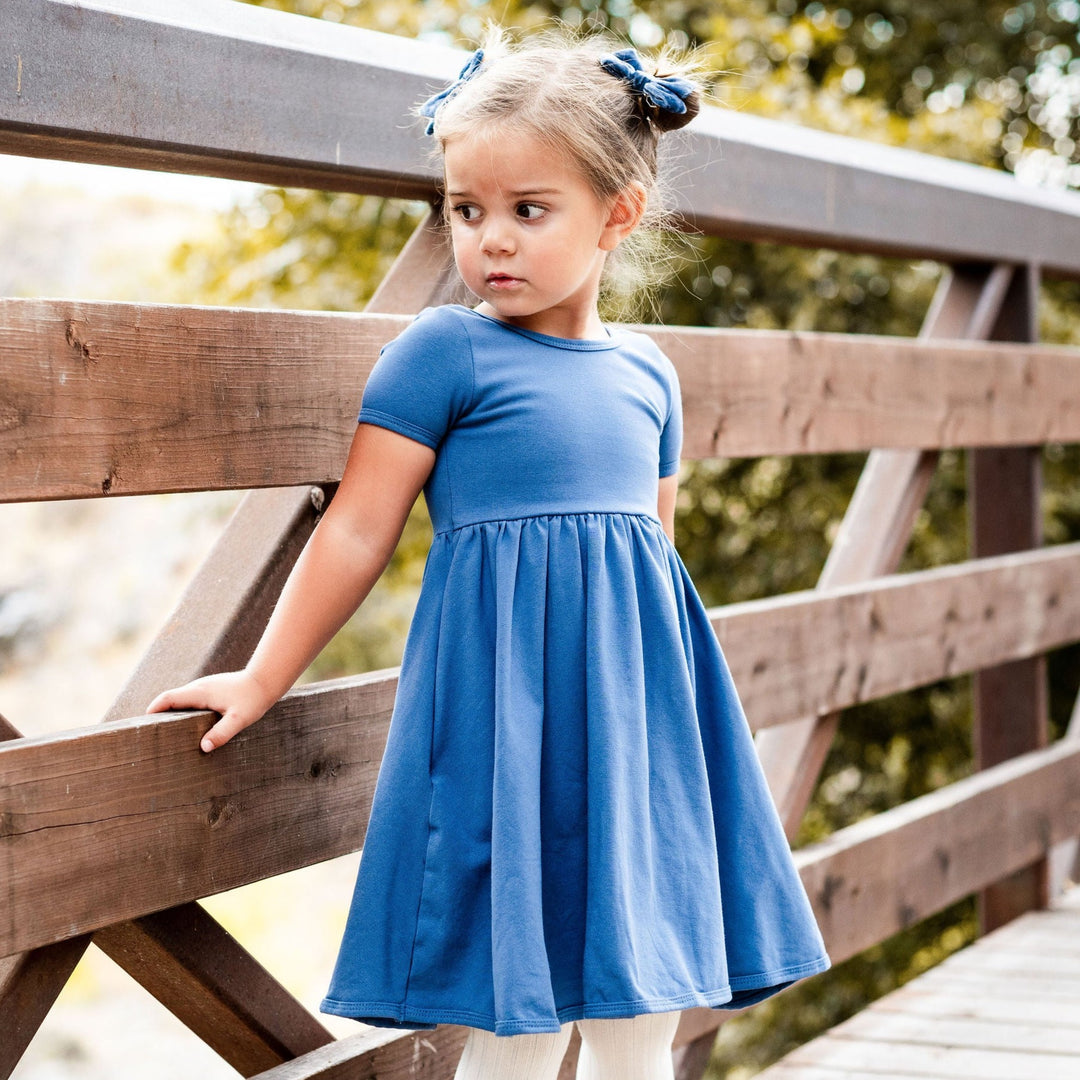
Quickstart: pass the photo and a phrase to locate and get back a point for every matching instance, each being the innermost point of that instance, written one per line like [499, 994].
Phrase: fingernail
[207, 745]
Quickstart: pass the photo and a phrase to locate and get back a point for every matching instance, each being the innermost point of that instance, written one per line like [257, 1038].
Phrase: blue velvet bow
[664, 92]
[431, 106]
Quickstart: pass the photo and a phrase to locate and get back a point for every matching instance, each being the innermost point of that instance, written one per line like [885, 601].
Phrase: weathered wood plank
[967, 1018]
[1028, 986]
[110, 398]
[998, 963]
[218, 620]
[944, 997]
[692, 1060]
[811, 652]
[882, 875]
[974, 1032]
[130, 400]
[423, 274]
[175, 825]
[130, 784]
[875, 528]
[172, 824]
[871, 1059]
[1005, 514]
[188, 88]
[29, 984]
[198, 971]
[194, 967]
[379, 1055]
[783, 1071]
[191, 964]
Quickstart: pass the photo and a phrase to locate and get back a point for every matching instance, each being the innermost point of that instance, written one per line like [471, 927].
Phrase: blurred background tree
[983, 81]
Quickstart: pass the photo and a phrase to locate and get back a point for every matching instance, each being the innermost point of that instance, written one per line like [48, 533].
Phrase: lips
[502, 281]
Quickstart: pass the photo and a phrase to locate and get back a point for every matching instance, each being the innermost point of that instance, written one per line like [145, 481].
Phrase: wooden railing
[111, 833]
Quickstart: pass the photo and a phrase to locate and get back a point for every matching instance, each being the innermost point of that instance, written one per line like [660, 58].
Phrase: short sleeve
[423, 380]
[672, 432]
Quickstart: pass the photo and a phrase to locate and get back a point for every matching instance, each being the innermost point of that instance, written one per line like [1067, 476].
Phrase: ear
[624, 216]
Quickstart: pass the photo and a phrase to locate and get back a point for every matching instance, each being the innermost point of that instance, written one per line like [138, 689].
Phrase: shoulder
[440, 326]
[649, 354]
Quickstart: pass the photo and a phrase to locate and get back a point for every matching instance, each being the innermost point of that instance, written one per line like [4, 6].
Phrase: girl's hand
[237, 695]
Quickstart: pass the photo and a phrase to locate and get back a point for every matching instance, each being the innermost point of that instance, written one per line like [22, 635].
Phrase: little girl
[570, 823]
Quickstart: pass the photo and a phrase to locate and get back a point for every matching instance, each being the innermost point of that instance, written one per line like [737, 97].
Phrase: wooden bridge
[111, 833]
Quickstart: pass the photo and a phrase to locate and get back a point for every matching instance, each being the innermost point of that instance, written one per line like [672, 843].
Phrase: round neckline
[574, 344]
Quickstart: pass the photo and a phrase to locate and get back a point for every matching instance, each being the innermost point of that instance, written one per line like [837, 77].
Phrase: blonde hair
[553, 89]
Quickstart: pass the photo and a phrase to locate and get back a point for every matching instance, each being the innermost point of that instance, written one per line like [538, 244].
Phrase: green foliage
[313, 250]
[986, 81]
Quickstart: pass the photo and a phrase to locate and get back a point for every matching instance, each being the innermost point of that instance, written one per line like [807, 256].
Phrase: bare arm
[665, 503]
[345, 556]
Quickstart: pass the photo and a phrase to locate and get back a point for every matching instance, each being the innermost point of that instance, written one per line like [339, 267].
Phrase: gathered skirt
[570, 819]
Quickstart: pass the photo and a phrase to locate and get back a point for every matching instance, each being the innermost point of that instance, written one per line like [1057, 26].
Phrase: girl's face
[530, 236]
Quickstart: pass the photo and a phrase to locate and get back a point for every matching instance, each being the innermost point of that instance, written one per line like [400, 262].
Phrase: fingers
[180, 697]
[228, 726]
[235, 695]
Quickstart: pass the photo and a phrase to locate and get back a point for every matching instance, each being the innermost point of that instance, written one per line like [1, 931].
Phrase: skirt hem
[395, 1015]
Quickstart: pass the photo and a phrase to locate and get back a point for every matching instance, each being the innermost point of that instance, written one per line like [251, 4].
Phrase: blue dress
[570, 819]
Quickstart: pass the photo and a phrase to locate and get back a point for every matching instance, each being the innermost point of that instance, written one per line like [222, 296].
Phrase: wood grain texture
[181, 955]
[31, 981]
[121, 399]
[882, 875]
[996, 1009]
[222, 612]
[175, 825]
[195, 968]
[812, 652]
[29, 984]
[172, 824]
[380, 1054]
[1011, 701]
[239, 91]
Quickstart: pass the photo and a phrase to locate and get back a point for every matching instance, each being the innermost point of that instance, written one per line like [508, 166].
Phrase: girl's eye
[466, 212]
[530, 211]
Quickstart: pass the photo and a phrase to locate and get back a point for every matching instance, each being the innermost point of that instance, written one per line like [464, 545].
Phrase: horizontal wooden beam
[882, 875]
[372, 1055]
[812, 652]
[240, 91]
[117, 399]
[122, 399]
[175, 825]
[748, 393]
[172, 824]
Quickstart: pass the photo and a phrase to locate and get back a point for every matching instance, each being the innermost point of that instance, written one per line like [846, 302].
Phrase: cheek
[459, 243]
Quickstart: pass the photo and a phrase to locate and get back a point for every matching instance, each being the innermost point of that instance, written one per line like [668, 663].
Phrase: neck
[583, 326]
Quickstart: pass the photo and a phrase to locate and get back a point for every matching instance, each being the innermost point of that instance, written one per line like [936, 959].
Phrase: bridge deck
[1005, 1008]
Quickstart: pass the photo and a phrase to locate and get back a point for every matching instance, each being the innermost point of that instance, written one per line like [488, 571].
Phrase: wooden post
[875, 531]
[1010, 700]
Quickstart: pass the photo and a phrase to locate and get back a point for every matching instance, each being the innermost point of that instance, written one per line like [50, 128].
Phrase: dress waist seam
[552, 514]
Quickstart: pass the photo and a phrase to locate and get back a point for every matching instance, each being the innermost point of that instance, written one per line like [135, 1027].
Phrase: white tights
[628, 1048]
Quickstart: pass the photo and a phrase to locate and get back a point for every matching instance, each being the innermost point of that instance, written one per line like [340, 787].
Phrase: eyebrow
[524, 193]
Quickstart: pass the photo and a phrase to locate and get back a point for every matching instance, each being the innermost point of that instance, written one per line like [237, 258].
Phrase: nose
[497, 237]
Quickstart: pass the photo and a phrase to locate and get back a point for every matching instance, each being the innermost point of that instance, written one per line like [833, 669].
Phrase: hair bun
[667, 101]
[663, 120]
